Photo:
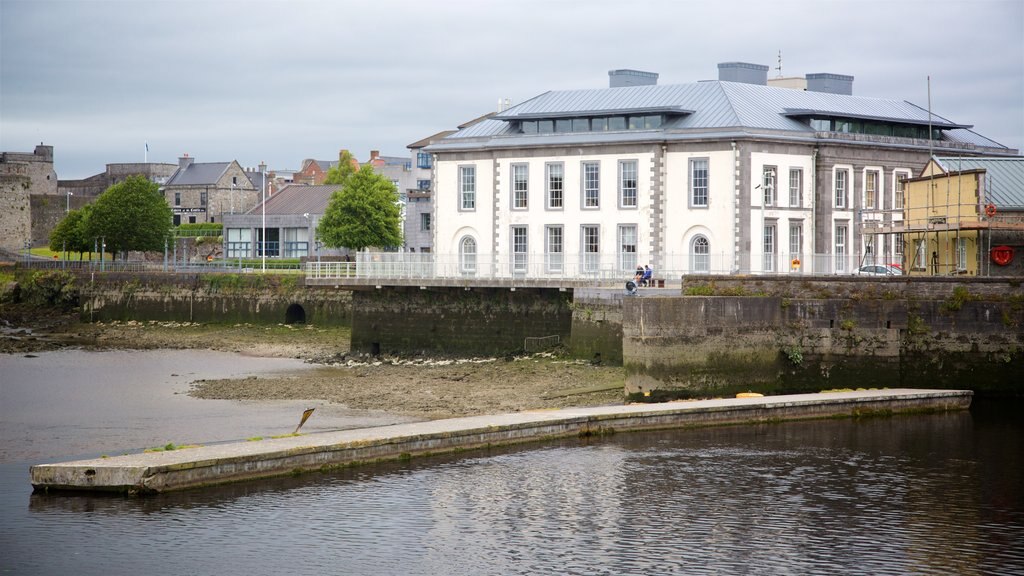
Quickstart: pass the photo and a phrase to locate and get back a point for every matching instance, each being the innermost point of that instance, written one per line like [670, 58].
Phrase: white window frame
[961, 254]
[555, 193]
[872, 193]
[840, 193]
[590, 247]
[796, 187]
[520, 186]
[699, 182]
[519, 237]
[796, 240]
[769, 246]
[554, 248]
[590, 185]
[700, 254]
[769, 182]
[841, 241]
[467, 255]
[920, 254]
[467, 188]
[629, 190]
[629, 240]
[899, 188]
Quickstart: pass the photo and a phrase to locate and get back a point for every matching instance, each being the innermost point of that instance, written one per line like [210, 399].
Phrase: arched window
[467, 255]
[700, 254]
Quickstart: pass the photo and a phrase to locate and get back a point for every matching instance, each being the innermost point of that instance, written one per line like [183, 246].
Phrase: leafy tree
[131, 215]
[71, 234]
[346, 168]
[364, 213]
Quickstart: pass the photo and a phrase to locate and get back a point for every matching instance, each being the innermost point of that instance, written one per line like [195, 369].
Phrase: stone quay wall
[735, 334]
[225, 298]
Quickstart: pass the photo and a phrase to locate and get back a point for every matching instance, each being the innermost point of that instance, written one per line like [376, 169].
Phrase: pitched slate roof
[298, 199]
[1004, 177]
[198, 174]
[711, 108]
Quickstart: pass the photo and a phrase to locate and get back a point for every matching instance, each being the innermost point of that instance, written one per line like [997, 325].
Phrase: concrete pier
[208, 465]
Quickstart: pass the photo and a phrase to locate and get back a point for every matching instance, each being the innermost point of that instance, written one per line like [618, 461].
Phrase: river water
[922, 494]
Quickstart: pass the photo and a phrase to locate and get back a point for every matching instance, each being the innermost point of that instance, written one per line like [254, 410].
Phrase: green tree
[364, 213]
[345, 169]
[71, 233]
[131, 215]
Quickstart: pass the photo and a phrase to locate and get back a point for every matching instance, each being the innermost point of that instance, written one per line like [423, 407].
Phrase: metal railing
[599, 268]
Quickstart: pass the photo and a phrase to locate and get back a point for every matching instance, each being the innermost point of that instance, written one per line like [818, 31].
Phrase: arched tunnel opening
[295, 314]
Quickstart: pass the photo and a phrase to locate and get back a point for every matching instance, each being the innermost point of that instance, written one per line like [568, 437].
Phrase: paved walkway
[207, 465]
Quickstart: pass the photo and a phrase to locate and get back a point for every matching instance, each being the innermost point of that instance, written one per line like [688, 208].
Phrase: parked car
[879, 270]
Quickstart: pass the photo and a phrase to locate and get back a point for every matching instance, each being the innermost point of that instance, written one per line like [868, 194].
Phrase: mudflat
[415, 386]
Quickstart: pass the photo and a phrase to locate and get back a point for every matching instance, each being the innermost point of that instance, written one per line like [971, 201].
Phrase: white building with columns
[726, 176]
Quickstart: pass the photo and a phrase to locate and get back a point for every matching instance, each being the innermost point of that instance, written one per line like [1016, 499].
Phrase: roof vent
[626, 77]
[743, 72]
[831, 83]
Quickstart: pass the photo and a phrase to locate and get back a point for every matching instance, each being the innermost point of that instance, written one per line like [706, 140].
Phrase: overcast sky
[280, 81]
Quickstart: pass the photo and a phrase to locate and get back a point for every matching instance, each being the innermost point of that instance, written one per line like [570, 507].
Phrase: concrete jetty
[153, 472]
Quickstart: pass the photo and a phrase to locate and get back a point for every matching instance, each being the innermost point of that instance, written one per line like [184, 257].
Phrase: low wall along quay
[208, 465]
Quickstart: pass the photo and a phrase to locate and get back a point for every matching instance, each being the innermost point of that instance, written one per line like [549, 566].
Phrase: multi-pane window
[627, 247]
[467, 187]
[425, 222]
[590, 240]
[423, 160]
[871, 190]
[961, 254]
[591, 185]
[202, 198]
[554, 248]
[898, 247]
[921, 247]
[520, 190]
[556, 185]
[519, 249]
[699, 182]
[423, 184]
[768, 185]
[467, 255]
[627, 183]
[239, 242]
[796, 241]
[840, 249]
[796, 181]
[177, 198]
[898, 189]
[701, 255]
[769, 247]
[842, 179]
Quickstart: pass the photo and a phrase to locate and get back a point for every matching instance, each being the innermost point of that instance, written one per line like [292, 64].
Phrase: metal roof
[197, 174]
[716, 106]
[296, 199]
[1004, 177]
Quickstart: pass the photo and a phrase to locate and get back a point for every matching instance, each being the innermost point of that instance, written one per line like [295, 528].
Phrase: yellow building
[965, 216]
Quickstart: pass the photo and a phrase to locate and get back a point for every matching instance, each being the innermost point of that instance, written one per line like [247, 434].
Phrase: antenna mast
[779, 67]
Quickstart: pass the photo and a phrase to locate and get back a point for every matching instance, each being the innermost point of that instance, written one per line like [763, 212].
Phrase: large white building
[726, 176]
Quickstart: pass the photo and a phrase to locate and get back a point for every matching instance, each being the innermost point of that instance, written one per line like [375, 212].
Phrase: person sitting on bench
[646, 279]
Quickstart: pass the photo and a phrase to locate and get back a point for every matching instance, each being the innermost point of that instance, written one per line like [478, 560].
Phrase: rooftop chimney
[184, 162]
[743, 72]
[831, 83]
[625, 77]
[374, 154]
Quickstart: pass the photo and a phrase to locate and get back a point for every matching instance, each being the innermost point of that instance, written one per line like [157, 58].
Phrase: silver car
[879, 270]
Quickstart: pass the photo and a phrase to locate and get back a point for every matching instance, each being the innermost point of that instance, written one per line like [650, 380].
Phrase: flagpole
[146, 156]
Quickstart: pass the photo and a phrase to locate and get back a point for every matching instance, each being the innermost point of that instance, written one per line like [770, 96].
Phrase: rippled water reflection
[933, 494]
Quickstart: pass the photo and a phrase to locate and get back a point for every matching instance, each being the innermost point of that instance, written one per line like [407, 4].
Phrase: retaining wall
[854, 334]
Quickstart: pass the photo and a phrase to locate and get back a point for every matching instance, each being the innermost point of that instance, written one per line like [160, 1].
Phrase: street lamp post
[67, 208]
[263, 206]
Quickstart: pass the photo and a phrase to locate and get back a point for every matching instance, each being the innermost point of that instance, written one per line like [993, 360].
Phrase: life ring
[1002, 255]
[795, 263]
[990, 210]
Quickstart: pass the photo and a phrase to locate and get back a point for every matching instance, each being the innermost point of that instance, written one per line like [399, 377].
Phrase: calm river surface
[926, 494]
